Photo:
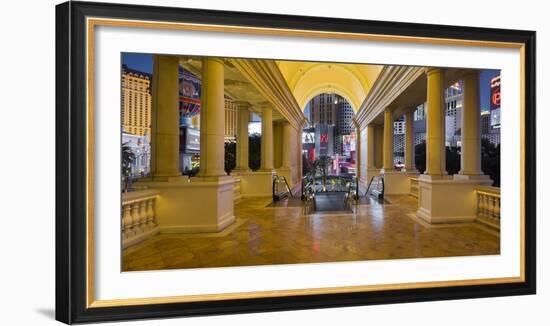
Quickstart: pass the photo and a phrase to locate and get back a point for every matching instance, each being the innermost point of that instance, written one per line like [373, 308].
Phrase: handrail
[279, 195]
[379, 193]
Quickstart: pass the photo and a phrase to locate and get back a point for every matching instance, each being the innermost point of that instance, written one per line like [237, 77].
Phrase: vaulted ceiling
[301, 80]
[309, 79]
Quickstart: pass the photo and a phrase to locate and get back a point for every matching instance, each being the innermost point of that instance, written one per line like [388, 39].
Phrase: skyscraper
[136, 102]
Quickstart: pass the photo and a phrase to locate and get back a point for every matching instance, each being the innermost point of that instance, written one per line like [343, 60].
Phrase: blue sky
[144, 62]
[139, 61]
[485, 87]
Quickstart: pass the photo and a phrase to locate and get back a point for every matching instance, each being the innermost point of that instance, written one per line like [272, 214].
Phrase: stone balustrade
[488, 205]
[138, 216]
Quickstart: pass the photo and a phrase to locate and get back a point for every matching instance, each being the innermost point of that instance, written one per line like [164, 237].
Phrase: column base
[397, 182]
[239, 171]
[257, 184]
[196, 205]
[446, 199]
[168, 178]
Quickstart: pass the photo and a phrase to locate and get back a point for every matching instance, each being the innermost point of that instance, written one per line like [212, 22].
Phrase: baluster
[479, 204]
[491, 206]
[497, 207]
[143, 215]
[135, 218]
[150, 213]
[127, 222]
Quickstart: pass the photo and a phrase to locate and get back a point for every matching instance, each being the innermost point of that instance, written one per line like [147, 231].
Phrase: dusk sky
[144, 62]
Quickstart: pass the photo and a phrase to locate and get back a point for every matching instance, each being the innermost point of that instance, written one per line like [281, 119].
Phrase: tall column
[165, 99]
[470, 160]
[212, 119]
[371, 162]
[388, 140]
[435, 125]
[267, 139]
[287, 145]
[409, 141]
[357, 149]
[243, 117]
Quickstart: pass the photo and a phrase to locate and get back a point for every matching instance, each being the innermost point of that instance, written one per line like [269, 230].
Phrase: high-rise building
[344, 117]
[453, 114]
[399, 140]
[323, 109]
[487, 131]
[344, 125]
[136, 102]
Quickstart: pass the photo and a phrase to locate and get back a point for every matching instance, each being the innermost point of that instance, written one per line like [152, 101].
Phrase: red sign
[324, 138]
[495, 93]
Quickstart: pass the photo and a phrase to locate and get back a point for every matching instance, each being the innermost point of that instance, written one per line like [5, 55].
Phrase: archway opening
[329, 138]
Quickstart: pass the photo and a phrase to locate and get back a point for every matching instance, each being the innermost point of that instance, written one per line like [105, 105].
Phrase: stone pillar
[357, 149]
[212, 119]
[388, 140]
[267, 139]
[287, 145]
[371, 162]
[435, 125]
[166, 134]
[470, 160]
[409, 141]
[243, 115]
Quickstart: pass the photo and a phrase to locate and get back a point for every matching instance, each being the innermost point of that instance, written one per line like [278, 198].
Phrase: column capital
[469, 72]
[242, 105]
[216, 59]
[431, 71]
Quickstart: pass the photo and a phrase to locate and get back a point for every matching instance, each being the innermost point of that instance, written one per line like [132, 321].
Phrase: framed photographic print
[213, 162]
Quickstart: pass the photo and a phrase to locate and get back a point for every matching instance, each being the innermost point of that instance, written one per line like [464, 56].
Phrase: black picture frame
[71, 157]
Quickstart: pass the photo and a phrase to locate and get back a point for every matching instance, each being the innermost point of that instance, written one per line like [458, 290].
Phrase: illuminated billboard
[348, 144]
[495, 102]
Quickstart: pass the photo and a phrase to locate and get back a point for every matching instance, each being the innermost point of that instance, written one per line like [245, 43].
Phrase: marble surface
[284, 235]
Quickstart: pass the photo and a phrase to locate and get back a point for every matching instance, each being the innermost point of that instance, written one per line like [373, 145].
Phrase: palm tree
[128, 157]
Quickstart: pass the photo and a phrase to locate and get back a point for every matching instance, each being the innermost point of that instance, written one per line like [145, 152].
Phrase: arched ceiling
[308, 79]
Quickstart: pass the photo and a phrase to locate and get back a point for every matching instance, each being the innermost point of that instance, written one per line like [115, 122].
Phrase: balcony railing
[488, 205]
[138, 216]
[414, 187]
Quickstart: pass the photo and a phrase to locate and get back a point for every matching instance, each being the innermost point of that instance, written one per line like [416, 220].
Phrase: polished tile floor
[284, 235]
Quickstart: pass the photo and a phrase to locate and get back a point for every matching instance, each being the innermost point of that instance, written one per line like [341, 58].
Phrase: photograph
[218, 169]
[220, 162]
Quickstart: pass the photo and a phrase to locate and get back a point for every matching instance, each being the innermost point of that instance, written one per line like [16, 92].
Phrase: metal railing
[376, 188]
[280, 188]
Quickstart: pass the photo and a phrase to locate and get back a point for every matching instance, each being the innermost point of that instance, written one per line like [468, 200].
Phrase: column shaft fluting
[287, 145]
[409, 140]
[470, 160]
[267, 139]
[243, 115]
[388, 140]
[357, 151]
[371, 162]
[435, 124]
[212, 119]
[165, 98]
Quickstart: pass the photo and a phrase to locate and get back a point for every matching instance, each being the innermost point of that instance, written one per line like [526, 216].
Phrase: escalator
[329, 193]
